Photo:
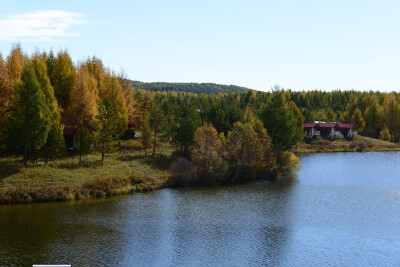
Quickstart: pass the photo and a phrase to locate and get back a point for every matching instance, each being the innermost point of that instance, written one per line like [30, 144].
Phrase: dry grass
[361, 143]
[123, 171]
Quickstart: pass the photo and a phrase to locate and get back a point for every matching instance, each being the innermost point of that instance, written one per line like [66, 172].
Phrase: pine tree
[158, 124]
[112, 90]
[54, 145]
[186, 123]
[127, 91]
[280, 120]
[147, 136]
[15, 63]
[373, 119]
[83, 108]
[358, 120]
[62, 78]
[391, 114]
[107, 125]
[5, 101]
[30, 121]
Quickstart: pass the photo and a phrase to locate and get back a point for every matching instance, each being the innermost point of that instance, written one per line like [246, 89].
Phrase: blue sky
[257, 44]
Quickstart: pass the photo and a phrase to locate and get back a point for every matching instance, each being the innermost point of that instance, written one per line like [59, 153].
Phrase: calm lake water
[343, 209]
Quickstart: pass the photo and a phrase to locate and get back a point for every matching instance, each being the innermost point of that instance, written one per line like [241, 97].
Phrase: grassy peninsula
[124, 171]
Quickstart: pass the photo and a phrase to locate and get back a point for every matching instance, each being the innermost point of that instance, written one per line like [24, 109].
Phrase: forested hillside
[198, 88]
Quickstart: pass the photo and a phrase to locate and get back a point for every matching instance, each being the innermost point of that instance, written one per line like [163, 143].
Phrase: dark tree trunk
[36, 156]
[102, 152]
[154, 146]
[25, 156]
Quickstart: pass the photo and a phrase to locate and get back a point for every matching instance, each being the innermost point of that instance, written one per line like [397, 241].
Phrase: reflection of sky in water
[343, 209]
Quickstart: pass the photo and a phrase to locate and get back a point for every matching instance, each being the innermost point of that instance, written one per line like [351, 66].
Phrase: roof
[309, 124]
[346, 125]
[327, 125]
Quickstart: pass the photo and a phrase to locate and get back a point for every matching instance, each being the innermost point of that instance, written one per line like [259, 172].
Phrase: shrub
[288, 163]
[385, 135]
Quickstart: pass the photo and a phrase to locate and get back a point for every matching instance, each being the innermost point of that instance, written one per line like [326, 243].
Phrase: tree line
[236, 134]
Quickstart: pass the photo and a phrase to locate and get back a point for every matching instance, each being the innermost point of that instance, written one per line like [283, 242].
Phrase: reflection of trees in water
[274, 233]
[232, 225]
[235, 225]
[26, 231]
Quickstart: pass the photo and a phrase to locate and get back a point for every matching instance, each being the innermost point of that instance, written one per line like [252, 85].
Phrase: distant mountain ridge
[206, 88]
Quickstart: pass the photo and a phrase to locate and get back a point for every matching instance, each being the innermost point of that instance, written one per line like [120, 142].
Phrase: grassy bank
[361, 143]
[124, 171]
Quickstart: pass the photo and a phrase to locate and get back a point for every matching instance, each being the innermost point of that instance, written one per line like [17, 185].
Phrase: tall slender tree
[30, 121]
[83, 108]
[62, 78]
[55, 142]
[5, 101]
[107, 126]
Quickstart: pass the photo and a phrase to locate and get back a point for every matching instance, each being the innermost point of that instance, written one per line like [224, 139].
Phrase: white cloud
[41, 25]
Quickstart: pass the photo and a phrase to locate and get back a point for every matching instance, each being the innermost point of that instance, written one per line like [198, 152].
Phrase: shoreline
[316, 151]
[95, 189]
[67, 181]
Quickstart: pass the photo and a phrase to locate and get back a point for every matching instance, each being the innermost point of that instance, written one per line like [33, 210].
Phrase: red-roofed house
[309, 127]
[329, 129]
[347, 129]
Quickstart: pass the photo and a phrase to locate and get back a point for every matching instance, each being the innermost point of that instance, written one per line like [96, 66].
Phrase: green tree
[112, 90]
[62, 77]
[373, 119]
[158, 122]
[30, 114]
[280, 120]
[186, 123]
[127, 91]
[391, 116]
[55, 142]
[83, 142]
[107, 125]
[358, 120]
[147, 136]
[330, 115]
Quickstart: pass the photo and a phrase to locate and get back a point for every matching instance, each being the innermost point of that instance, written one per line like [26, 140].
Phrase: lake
[342, 209]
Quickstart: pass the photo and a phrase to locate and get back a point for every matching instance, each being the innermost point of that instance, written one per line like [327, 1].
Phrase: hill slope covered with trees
[198, 88]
